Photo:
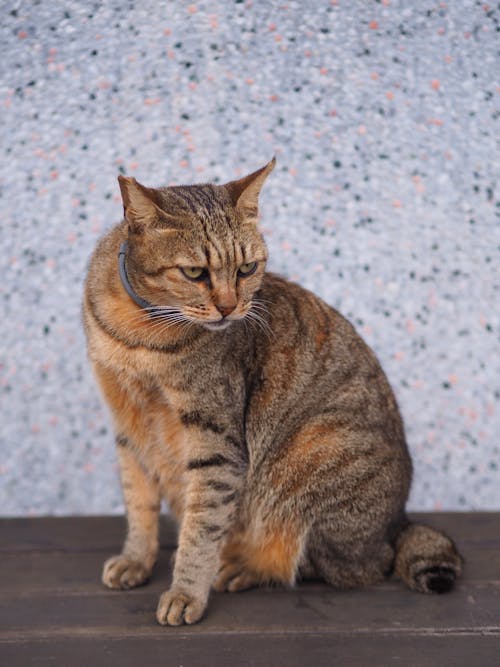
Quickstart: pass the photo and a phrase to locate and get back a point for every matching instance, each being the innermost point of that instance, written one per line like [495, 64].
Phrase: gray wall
[381, 115]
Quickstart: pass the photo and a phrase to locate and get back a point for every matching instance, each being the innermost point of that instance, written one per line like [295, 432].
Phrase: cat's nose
[225, 309]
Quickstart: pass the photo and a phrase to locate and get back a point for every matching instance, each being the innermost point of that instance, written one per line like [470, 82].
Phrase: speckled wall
[382, 117]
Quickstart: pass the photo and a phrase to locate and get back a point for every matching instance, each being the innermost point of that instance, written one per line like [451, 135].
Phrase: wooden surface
[54, 611]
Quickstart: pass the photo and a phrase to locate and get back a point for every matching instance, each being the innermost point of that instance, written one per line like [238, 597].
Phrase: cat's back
[314, 367]
[301, 322]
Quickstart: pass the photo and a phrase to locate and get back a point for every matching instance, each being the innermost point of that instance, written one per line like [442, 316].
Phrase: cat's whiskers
[161, 322]
[257, 307]
[160, 309]
[163, 327]
[262, 300]
[186, 327]
[153, 314]
[256, 313]
[164, 331]
[262, 324]
[167, 321]
[247, 321]
[261, 303]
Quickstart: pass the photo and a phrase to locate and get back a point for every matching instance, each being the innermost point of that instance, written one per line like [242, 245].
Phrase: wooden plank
[25, 572]
[270, 650]
[54, 611]
[107, 533]
[472, 609]
[59, 572]
[465, 527]
[30, 564]
[88, 533]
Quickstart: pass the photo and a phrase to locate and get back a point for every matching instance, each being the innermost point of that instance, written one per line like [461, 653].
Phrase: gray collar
[122, 255]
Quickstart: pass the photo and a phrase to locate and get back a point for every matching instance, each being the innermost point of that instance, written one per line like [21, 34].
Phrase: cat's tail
[426, 559]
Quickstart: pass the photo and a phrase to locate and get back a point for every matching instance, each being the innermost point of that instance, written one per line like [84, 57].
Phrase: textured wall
[382, 117]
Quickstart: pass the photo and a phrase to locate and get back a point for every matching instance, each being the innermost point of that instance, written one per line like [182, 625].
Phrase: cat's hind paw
[177, 608]
[232, 577]
[121, 572]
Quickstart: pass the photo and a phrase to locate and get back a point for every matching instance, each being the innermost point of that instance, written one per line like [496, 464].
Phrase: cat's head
[196, 250]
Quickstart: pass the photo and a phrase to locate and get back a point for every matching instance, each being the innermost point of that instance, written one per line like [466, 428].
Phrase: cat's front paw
[121, 572]
[177, 607]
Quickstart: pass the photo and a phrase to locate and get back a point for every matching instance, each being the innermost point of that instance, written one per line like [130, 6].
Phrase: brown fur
[250, 405]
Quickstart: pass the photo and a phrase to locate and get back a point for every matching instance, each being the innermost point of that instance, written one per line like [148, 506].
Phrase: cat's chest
[149, 369]
[198, 375]
[177, 381]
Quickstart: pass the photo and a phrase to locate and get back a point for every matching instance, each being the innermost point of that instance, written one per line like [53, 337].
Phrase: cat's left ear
[245, 192]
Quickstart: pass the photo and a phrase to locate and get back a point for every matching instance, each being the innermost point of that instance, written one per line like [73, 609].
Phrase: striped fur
[251, 406]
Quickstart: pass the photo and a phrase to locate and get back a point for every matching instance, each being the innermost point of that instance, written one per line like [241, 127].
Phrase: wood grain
[54, 610]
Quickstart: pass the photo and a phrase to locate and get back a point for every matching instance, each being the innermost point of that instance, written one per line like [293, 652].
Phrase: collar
[142, 303]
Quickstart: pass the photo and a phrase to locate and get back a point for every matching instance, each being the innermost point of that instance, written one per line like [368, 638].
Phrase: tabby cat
[248, 403]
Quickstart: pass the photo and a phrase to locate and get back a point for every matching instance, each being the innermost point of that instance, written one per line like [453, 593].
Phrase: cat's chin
[217, 326]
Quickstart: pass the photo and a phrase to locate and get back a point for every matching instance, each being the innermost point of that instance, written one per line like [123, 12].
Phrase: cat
[248, 403]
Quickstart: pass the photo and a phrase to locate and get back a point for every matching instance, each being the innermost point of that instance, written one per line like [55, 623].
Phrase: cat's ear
[244, 193]
[141, 206]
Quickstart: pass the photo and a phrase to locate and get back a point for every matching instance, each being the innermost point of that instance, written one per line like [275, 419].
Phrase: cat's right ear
[141, 206]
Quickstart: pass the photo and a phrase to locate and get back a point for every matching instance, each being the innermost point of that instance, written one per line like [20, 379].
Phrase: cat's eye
[194, 272]
[247, 269]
